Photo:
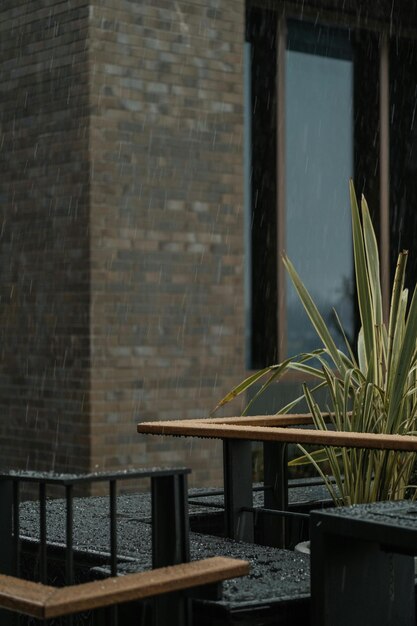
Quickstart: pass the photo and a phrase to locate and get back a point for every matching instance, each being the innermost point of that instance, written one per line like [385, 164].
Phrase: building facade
[143, 206]
[121, 248]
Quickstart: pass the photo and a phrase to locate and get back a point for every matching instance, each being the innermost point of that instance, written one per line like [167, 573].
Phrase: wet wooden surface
[266, 429]
[44, 602]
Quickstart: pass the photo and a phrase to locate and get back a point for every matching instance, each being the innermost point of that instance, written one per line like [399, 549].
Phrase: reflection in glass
[319, 163]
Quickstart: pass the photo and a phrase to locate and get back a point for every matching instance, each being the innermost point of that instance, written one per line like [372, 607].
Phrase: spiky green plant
[373, 390]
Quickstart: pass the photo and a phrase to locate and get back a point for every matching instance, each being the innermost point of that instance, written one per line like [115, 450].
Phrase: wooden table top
[277, 428]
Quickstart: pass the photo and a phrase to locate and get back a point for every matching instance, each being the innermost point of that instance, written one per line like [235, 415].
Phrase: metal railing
[170, 534]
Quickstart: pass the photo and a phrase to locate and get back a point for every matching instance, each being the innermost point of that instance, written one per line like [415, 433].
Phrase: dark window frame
[268, 320]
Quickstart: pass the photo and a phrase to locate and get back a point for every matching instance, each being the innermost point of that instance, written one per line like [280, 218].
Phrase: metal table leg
[274, 531]
[237, 468]
[170, 543]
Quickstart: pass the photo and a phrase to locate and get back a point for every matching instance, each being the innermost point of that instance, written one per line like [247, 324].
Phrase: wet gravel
[277, 577]
[305, 495]
[398, 514]
[276, 574]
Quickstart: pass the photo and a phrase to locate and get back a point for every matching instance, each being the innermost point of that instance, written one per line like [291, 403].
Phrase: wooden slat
[195, 428]
[44, 602]
[24, 596]
[143, 585]
[261, 420]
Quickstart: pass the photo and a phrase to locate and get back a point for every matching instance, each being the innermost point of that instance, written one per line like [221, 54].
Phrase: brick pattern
[166, 223]
[44, 250]
[122, 230]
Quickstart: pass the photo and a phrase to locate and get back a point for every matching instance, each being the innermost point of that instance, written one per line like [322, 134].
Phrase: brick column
[166, 223]
[44, 237]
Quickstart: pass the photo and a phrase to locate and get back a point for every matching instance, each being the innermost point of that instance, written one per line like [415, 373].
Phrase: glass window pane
[319, 163]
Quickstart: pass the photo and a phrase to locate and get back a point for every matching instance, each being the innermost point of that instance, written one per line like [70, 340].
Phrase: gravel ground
[277, 590]
[276, 574]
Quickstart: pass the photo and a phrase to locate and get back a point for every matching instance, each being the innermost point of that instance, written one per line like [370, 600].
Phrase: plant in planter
[372, 389]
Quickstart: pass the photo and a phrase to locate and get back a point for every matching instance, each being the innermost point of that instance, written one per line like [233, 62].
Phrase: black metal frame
[362, 565]
[268, 524]
[170, 532]
[238, 493]
[237, 464]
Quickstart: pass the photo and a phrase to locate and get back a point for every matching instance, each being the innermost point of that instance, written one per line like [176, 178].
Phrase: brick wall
[44, 251]
[122, 231]
[166, 222]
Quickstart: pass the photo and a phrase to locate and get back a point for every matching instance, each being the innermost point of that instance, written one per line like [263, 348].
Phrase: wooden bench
[44, 602]
[371, 548]
[274, 431]
[275, 428]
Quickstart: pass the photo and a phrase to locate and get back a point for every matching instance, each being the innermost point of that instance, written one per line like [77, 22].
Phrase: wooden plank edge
[257, 420]
[261, 420]
[142, 585]
[344, 439]
[24, 596]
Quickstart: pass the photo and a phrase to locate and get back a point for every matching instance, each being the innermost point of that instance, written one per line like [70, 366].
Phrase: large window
[318, 164]
[322, 105]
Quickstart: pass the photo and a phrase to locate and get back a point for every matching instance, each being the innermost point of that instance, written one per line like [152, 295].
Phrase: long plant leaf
[243, 386]
[314, 315]
[397, 291]
[372, 262]
[404, 364]
[362, 277]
